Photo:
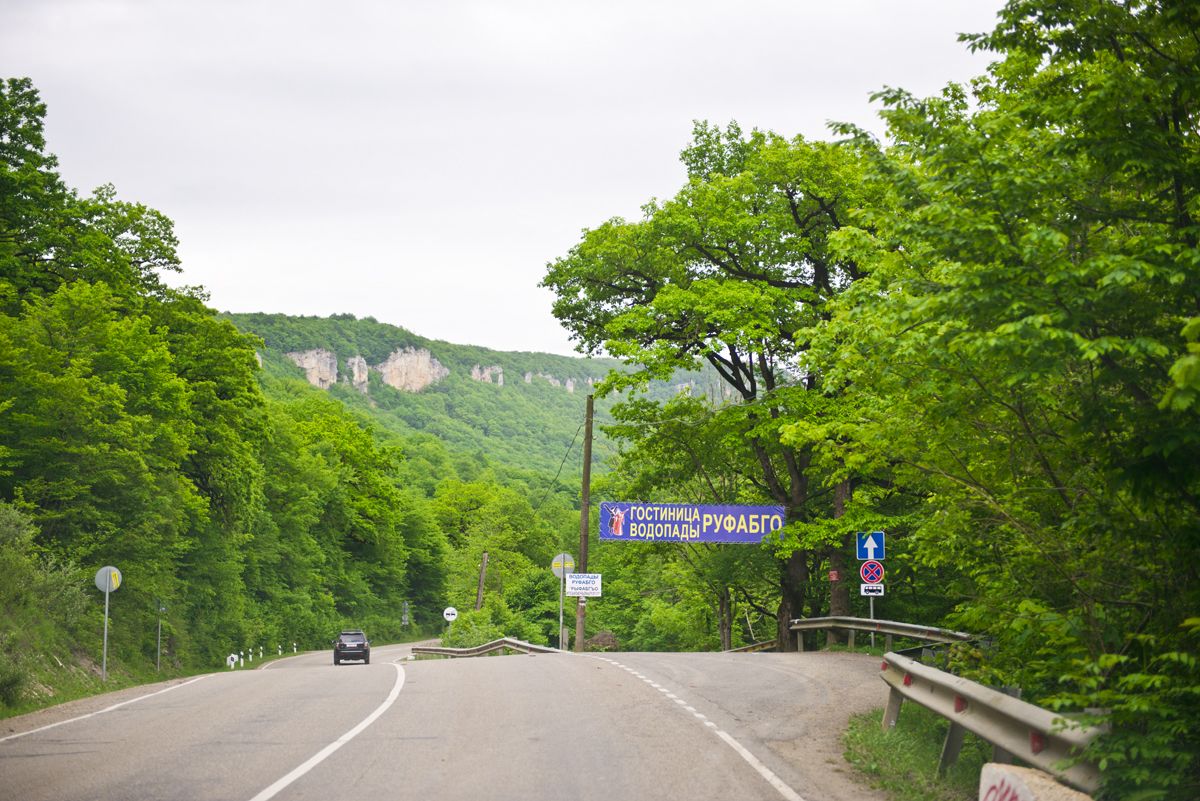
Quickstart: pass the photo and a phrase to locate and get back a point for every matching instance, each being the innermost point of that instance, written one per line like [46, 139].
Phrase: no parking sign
[871, 572]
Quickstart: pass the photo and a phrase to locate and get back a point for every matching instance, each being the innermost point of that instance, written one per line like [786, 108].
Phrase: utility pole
[482, 576]
[158, 655]
[584, 514]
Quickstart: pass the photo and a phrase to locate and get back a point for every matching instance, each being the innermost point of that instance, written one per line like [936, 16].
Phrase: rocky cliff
[407, 369]
[319, 366]
[411, 369]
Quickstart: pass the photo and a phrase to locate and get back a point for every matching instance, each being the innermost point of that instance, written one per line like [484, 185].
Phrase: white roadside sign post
[871, 572]
[562, 565]
[108, 578]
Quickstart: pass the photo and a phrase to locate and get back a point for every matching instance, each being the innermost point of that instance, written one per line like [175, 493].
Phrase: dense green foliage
[524, 424]
[729, 273]
[137, 429]
[980, 335]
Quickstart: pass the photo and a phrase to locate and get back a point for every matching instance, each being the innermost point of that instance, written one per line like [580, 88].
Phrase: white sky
[420, 161]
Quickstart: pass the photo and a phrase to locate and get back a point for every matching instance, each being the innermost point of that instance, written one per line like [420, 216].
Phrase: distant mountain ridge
[520, 409]
[343, 347]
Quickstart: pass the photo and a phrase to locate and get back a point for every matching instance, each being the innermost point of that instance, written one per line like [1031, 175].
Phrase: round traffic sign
[563, 563]
[871, 571]
[108, 578]
[451, 614]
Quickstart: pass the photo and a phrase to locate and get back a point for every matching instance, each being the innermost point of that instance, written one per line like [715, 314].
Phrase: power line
[553, 481]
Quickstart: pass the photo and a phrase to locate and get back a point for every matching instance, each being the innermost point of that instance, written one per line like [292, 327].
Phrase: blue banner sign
[681, 522]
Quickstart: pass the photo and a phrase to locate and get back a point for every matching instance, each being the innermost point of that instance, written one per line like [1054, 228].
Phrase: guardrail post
[892, 713]
[851, 639]
[1000, 755]
[951, 748]
[887, 647]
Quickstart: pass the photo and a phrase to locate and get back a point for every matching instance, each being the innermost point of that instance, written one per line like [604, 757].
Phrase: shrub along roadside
[903, 761]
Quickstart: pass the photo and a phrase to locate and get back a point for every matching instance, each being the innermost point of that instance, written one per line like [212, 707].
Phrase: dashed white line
[779, 784]
[763, 770]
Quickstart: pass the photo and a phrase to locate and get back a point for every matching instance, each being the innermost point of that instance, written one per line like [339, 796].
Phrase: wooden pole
[584, 514]
[482, 576]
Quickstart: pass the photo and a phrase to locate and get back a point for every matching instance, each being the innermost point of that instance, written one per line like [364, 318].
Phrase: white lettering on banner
[684, 523]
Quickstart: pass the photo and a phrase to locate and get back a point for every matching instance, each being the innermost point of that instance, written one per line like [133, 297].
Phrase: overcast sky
[420, 161]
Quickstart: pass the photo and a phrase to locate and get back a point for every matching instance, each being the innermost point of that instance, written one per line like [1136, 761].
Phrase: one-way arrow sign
[870, 545]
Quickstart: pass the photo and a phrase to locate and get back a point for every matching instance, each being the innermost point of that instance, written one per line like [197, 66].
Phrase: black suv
[351, 644]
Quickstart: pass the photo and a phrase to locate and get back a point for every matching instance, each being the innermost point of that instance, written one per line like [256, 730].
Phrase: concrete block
[1010, 783]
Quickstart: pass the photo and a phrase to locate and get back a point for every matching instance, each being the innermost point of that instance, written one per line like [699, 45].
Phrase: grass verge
[903, 762]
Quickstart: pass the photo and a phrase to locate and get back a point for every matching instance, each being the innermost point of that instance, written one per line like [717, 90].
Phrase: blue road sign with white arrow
[870, 545]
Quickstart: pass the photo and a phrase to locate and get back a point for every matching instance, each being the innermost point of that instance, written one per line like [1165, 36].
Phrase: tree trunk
[725, 621]
[793, 581]
[839, 591]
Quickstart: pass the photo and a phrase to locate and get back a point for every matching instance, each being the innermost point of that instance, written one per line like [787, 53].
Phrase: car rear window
[353, 638]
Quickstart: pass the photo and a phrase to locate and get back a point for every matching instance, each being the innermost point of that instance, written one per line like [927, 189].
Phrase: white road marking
[324, 753]
[763, 770]
[779, 784]
[102, 711]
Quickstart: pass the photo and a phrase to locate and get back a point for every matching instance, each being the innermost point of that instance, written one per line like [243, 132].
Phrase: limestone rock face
[358, 372]
[407, 369]
[320, 366]
[411, 370]
[488, 374]
[568, 383]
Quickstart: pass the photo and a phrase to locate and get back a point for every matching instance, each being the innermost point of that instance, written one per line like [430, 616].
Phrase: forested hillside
[981, 335]
[138, 430]
[525, 415]
[245, 507]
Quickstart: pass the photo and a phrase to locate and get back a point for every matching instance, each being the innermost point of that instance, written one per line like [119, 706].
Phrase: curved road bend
[611, 727]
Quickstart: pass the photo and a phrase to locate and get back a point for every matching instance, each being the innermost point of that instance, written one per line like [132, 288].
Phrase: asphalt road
[620, 726]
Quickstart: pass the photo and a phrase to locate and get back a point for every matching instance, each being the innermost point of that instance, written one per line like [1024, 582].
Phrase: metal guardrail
[891, 628]
[495, 646]
[754, 647]
[1042, 738]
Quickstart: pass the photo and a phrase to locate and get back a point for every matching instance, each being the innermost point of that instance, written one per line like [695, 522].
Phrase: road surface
[560, 726]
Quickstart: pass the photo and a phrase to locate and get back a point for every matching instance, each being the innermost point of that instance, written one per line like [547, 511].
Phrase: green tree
[1018, 357]
[686, 451]
[730, 272]
[97, 427]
